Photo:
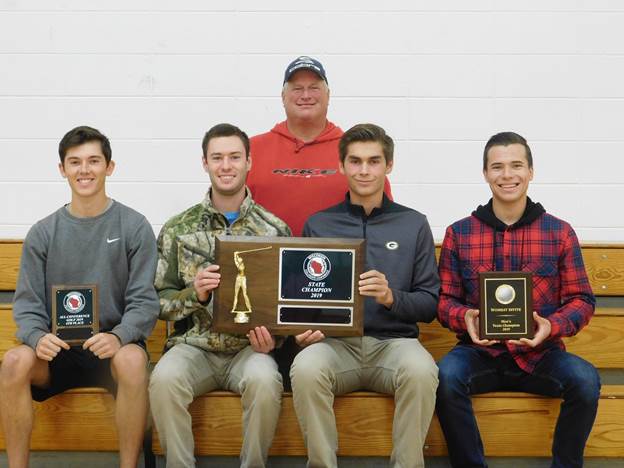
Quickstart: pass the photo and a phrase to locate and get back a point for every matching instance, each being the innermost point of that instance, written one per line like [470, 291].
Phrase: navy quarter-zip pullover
[399, 244]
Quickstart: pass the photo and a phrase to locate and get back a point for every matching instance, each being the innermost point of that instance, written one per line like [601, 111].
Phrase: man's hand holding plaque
[103, 345]
[541, 334]
[48, 346]
[472, 327]
[205, 281]
[374, 284]
[261, 340]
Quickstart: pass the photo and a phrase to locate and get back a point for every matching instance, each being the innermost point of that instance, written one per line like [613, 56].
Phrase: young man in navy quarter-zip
[91, 240]
[401, 287]
[513, 233]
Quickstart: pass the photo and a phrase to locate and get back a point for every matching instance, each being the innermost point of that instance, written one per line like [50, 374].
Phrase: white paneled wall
[440, 76]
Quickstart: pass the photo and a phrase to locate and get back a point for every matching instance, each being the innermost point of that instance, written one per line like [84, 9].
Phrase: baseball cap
[305, 62]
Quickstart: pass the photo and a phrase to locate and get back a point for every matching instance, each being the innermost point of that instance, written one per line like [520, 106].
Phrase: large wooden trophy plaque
[289, 285]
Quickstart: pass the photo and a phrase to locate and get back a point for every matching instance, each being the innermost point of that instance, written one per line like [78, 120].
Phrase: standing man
[295, 170]
[401, 288]
[512, 233]
[198, 359]
[91, 240]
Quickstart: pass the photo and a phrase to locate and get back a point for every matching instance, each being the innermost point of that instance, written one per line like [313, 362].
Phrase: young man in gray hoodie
[91, 240]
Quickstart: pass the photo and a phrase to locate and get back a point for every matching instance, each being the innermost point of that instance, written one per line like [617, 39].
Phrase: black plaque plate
[315, 316]
[318, 274]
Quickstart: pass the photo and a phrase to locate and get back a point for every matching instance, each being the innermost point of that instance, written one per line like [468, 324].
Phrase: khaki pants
[185, 372]
[400, 367]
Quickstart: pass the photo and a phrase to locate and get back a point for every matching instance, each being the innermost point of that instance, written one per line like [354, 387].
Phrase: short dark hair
[225, 130]
[366, 132]
[506, 139]
[81, 135]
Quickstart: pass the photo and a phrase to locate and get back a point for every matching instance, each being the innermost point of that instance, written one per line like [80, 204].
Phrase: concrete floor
[108, 460]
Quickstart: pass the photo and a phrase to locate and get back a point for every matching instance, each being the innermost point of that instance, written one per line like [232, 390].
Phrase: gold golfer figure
[242, 316]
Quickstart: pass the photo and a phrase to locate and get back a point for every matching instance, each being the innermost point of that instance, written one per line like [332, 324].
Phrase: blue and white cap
[305, 62]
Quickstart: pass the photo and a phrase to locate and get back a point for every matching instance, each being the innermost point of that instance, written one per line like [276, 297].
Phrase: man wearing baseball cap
[295, 171]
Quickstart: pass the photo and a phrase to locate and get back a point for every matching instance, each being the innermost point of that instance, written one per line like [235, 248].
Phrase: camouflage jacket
[185, 244]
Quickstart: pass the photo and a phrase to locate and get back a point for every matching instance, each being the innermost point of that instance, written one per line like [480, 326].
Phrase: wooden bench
[364, 418]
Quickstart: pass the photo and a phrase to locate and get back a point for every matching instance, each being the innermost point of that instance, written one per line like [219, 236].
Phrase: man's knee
[309, 370]
[168, 381]
[17, 366]
[451, 380]
[129, 365]
[418, 372]
[584, 382]
[263, 380]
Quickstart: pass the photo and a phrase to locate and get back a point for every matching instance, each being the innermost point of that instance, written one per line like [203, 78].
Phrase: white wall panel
[602, 120]
[478, 76]
[457, 119]
[437, 162]
[144, 118]
[441, 77]
[392, 114]
[319, 5]
[76, 75]
[545, 119]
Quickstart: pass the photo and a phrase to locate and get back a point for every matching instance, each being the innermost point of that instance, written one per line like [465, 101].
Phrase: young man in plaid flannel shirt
[512, 233]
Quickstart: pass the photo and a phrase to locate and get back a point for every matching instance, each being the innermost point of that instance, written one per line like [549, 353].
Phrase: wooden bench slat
[7, 331]
[10, 253]
[77, 420]
[85, 418]
[156, 340]
[605, 269]
[217, 425]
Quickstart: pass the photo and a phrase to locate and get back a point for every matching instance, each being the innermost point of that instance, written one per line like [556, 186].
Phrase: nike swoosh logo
[110, 241]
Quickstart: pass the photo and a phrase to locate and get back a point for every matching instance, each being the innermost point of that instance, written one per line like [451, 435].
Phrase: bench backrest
[602, 342]
[604, 264]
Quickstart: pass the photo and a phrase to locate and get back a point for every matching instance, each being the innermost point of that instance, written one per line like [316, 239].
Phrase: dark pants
[467, 371]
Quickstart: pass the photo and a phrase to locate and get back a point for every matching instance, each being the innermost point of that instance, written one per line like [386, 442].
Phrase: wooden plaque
[292, 284]
[506, 311]
[74, 312]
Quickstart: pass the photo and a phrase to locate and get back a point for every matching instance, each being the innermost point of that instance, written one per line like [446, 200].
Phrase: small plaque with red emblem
[74, 312]
[289, 285]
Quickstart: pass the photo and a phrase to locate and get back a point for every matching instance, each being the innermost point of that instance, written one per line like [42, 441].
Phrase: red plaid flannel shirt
[547, 247]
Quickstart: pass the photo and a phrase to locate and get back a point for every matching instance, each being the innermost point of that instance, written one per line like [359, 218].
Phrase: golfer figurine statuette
[242, 316]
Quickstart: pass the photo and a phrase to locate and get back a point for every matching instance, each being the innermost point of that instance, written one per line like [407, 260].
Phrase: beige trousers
[185, 372]
[400, 367]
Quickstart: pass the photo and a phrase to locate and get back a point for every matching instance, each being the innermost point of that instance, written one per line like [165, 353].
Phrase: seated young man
[91, 240]
[401, 288]
[199, 359]
[512, 233]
